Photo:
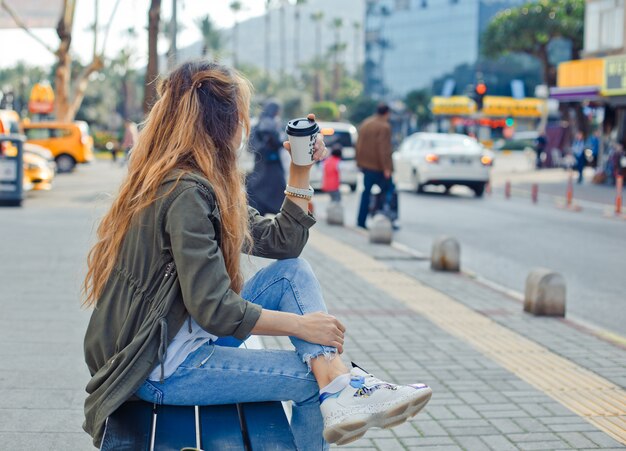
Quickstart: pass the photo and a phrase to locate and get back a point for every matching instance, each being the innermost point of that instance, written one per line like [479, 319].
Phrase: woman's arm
[319, 327]
[204, 282]
[285, 235]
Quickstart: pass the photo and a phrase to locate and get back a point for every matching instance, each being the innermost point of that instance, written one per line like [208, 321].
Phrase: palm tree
[235, 7]
[356, 26]
[283, 41]
[152, 70]
[337, 49]
[317, 18]
[317, 86]
[296, 30]
[212, 41]
[268, 5]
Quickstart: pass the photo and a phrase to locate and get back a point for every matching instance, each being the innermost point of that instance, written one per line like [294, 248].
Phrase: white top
[183, 344]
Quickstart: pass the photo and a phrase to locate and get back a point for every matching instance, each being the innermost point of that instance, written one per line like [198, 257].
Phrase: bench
[139, 425]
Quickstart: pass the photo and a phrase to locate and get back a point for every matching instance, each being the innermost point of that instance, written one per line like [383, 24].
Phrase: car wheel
[353, 188]
[65, 163]
[420, 188]
[479, 189]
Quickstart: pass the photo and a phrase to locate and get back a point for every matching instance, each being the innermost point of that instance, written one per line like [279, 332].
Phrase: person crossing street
[373, 157]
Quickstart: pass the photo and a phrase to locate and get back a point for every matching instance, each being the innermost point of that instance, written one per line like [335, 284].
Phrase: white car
[442, 159]
[346, 135]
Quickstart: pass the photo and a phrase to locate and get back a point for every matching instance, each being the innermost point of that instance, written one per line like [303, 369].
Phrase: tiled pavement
[477, 403]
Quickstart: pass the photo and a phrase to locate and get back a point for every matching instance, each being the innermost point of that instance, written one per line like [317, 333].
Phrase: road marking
[594, 398]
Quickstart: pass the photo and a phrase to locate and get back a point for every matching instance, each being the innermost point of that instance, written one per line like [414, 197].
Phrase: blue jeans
[222, 373]
[370, 178]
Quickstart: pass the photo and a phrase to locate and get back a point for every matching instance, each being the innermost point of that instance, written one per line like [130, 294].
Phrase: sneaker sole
[350, 431]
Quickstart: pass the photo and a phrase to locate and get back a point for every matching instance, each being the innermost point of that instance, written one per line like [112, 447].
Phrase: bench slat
[128, 429]
[175, 428]
[220, 428]
[267, 427]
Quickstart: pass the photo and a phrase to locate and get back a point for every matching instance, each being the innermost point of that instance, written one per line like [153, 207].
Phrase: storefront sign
[615, 76]
[453, 106]
[41, 99]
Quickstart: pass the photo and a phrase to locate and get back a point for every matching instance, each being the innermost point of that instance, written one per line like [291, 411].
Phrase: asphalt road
[501, 240]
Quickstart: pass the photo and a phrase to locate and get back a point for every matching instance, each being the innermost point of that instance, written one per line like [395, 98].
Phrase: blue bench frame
[142, 426]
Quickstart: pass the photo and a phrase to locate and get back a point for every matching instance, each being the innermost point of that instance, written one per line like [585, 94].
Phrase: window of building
[604, 25]
[402, 5]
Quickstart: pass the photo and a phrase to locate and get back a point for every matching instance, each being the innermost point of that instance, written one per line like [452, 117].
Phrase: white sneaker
[369, 402]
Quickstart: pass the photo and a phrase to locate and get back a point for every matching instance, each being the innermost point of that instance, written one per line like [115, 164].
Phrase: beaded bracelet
[303, 191]
[298, 195]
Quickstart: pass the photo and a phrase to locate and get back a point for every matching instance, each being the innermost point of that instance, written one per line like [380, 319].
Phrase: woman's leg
[291, 286]
[223, 375]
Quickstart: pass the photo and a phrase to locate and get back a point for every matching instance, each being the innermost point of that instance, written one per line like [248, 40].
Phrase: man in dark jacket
[373, 157]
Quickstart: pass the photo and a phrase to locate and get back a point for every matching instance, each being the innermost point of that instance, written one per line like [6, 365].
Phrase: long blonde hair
[191, 127]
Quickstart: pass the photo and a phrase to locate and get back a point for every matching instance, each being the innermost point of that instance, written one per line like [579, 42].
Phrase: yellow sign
[495, 106]
[453, 106]
[581, 73]
[614, 76]
[41, 99]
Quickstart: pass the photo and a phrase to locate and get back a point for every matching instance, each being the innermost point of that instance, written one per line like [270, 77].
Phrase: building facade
[409, 43]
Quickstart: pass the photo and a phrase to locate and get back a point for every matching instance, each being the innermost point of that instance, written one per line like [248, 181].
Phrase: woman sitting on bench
[170, 303]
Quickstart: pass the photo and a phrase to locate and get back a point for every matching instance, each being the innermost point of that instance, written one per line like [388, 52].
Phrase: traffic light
[510, 122]
[481, 90]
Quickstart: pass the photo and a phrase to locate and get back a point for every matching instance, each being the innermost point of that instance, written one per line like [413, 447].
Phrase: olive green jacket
[170, 266]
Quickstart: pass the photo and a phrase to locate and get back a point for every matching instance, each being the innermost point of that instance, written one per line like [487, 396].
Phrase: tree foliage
[325, 111]
[531, 27]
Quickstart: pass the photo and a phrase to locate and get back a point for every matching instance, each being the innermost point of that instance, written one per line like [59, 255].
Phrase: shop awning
[576, 94]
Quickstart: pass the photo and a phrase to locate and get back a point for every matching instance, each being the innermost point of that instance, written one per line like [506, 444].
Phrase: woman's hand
[323, 329]
[319, 152]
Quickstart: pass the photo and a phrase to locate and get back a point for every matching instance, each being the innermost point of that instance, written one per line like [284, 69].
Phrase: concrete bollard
[334, 214]
[380, 230]
[446, 254]
[545, 293]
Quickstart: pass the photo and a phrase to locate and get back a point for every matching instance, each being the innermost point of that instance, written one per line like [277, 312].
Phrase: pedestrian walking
[578, 150]
[266, 183]
[171, 304]
[331, 179]
[373, 157]
[540, 147]
[131, 134]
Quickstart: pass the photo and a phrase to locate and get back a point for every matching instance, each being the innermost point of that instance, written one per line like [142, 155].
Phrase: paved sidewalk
[477, 404]
[405, 324]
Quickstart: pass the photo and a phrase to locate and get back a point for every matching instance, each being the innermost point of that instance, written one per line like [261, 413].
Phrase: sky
[130, 14]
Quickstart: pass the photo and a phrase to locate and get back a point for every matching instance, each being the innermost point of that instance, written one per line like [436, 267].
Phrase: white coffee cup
[302, 134]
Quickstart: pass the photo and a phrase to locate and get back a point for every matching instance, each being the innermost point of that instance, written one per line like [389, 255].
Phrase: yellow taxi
[69, 142]
[39, 167]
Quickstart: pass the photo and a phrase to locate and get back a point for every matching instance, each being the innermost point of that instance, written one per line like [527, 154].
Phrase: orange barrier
[570, 190]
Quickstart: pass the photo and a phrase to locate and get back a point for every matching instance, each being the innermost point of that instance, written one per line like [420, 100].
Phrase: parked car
[346, 135]
[39, 168]
[69, 142]
[442, 159]
[9, 122]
